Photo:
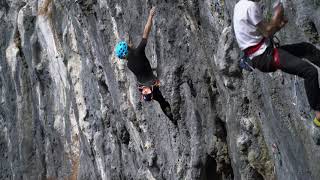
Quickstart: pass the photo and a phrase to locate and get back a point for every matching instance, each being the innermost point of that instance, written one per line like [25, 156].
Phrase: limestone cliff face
[71, 110]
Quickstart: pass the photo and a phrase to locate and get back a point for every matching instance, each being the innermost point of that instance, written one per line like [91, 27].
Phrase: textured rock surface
[70, 109]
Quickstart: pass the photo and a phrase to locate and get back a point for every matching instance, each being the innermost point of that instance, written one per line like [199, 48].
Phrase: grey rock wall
[71, 110]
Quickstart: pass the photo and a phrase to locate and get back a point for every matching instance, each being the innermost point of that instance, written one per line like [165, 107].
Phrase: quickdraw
[245, 63]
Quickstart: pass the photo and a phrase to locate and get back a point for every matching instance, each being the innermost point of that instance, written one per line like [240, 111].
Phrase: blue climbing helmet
[121, 49]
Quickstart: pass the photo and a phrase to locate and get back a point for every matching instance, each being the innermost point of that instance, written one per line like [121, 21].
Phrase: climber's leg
[165, 106]
[304, 50]
[294, 65]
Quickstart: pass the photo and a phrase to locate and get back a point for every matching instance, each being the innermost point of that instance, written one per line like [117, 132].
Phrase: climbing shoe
[315, 131]
[316, 122]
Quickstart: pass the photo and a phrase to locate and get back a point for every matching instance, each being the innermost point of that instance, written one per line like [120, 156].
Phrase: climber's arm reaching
[277, 22]
[148, 26]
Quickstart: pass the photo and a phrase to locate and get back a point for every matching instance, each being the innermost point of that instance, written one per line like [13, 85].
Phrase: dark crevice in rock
[212, 90]
[192, 89]
[224, 167]
[209, 171]
[87, 6]
[177, 97]
[172, 34]
[221, 131]
[155, 168]
[245, 107]
[36, 50]
[124, 136]
[4, 5]
[256, 175]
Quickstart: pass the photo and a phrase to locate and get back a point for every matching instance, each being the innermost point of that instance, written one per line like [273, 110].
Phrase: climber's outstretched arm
[277, 22]
[148, 26]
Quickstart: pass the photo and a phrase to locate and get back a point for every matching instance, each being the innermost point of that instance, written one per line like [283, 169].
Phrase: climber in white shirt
[254, 35]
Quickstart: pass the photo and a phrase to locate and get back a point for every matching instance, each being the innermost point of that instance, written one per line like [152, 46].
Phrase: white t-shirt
[247, 14]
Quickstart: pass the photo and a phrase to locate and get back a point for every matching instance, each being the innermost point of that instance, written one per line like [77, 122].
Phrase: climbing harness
[147, 91]
[246, 63]
[252, 49]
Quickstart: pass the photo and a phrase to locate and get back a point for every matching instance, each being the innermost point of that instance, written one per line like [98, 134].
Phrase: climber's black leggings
[291, 62]
[157, 95]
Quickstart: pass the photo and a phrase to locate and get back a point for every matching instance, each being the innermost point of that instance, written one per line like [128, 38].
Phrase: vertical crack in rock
[218, 165]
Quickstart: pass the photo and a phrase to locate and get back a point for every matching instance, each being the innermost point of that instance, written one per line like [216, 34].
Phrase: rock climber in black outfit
[253, 35]
[139, 64]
